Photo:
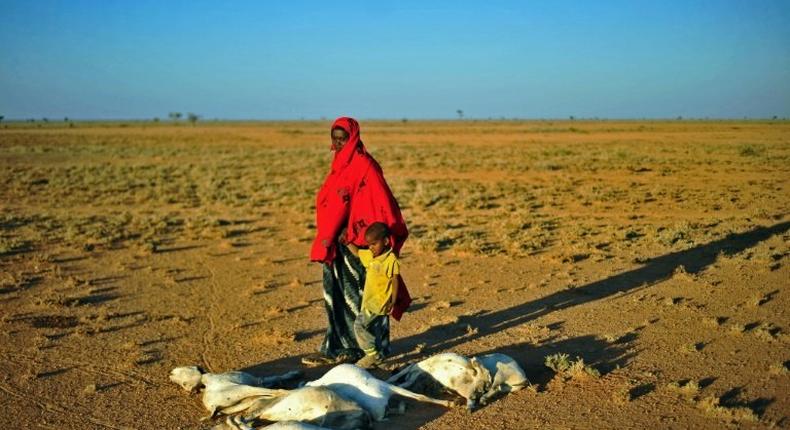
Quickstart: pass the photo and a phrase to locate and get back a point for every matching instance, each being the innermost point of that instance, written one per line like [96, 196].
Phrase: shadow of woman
[447, 336]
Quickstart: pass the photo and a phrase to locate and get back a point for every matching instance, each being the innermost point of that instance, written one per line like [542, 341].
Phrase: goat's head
[188, 377]
[481, 379]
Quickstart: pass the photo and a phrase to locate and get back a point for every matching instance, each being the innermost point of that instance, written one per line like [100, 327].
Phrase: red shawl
[355, 195]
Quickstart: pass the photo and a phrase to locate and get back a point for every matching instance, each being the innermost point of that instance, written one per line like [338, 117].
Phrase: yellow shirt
[381, 270]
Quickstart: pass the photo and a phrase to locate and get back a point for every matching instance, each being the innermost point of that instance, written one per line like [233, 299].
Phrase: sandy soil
[657, 252]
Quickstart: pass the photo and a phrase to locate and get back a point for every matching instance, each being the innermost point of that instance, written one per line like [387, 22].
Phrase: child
[381, 288]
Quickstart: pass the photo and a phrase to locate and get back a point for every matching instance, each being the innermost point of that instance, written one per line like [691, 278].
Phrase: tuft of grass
[767, 331]
[623, 393]
[751, 150]
[688, 388]
[711, 405]
[779, 368]
[9, 246]
[690, 348]
[562, 364]
[758, 300]
[713, 321]
[679, 234]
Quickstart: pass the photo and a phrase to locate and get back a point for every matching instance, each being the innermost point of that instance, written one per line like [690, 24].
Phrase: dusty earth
[656, 252]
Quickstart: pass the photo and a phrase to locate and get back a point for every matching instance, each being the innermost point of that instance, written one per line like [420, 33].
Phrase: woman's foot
[369, 361]
[313, 360]
[348, 356]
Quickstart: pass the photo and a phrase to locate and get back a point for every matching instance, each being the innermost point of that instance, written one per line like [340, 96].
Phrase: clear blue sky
[414, 59]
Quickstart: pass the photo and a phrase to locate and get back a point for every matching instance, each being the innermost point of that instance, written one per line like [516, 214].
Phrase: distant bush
[751, 151]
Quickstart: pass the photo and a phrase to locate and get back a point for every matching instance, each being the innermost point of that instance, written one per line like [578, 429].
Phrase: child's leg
[366, 339]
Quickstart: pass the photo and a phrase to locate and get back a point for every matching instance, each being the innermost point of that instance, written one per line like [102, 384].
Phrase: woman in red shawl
[353, 196]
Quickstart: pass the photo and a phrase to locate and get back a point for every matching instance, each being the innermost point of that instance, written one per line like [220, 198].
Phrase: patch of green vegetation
[751, 150]
[562, 364]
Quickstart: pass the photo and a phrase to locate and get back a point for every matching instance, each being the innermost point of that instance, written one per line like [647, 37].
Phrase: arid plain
[655, 251]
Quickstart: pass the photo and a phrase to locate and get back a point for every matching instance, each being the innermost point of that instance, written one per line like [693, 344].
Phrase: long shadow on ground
[441, 338]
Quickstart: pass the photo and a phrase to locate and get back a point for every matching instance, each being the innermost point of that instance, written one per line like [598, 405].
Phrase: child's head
[378, 238]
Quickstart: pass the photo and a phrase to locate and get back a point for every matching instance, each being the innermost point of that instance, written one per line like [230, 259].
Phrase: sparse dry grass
[523, 188]
[157, 246]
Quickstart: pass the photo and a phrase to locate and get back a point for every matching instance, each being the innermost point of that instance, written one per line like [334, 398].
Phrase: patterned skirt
[344, 281]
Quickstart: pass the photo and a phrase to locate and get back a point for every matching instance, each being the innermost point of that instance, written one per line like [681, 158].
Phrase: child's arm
[395, 286]
[353, 248]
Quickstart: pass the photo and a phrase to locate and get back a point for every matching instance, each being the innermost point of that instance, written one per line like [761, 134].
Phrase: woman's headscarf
[353, 145]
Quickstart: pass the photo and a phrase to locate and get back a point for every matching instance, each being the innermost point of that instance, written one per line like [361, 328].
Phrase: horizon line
[67, 119]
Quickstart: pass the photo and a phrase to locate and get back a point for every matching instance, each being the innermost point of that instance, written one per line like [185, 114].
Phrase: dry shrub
[689, 348]
[570, 369]
[622, 394]
[689, 388]
[767, 331]
[778, 369]
[737, 328]
[713, 321]
[711, 405]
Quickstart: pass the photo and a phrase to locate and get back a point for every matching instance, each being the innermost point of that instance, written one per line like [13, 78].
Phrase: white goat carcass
[371, 393]
[466, 377]
[227, 392]
[508, 376]
[315, 405]
[477, 379]
[236, 423]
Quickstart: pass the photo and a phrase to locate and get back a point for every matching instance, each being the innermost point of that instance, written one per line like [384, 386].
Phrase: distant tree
[45, 119]
[572, 117]
[774, 118]
[156, 119]
[2, 118]
[680, 118]
[65, 119]
[175, 116]
[192, 118]
[460, 114]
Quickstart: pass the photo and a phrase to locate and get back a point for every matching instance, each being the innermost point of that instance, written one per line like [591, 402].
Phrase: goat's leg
[411, 379]
[242, 405]
[493, 391]
[495, 388]
[237, 423]
[268, 381]
[392, 379]
[419, 397]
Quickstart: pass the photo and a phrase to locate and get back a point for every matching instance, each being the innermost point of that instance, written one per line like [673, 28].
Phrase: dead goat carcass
[507, 375]
[476, 379]
[227, 392]
[293, 425]
[466, 377]
[356, 383]
[236, 423]
[314, 405]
